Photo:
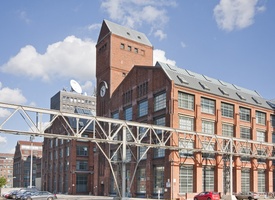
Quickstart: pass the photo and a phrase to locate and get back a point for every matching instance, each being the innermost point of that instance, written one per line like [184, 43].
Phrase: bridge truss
[122, 135]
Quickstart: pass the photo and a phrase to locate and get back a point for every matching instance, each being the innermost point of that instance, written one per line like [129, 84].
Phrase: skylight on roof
[182, 80]
[236, 87]
[240, 96]
[223, 83]
[204, 86]
[223, 92]
[190, 73]
[256, 100]
[170, 67]
[271, 104]
[207, 78]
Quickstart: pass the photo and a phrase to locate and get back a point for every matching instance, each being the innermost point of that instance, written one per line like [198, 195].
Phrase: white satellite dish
[75, 86]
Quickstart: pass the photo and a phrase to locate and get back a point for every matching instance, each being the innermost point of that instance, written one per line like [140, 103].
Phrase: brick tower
[118, 49]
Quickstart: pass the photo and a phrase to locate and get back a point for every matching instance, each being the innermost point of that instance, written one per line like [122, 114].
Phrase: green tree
[3, 181]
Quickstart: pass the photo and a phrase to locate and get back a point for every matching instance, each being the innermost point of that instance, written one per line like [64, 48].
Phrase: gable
[109, 27]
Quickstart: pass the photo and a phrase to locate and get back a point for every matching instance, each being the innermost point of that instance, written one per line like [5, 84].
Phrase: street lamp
[31, 140]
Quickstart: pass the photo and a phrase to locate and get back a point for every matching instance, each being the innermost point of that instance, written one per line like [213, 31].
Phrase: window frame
[244, 134]
[186, 100]
[128, 113]
[209, 175]
[228, 130]
[261, 135]
[260, 117]
[143, 108]
[186, 179]
[186, 123]
[80, 151]
[208, 105]
[205, 127]
[245, 179]
[227, 110]
[160, 101]
[245, 114]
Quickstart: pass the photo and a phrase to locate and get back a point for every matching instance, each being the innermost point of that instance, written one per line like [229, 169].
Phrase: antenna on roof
[75, 86]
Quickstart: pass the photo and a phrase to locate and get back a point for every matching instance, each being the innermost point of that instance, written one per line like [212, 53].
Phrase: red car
[207, 196]
[9, 194]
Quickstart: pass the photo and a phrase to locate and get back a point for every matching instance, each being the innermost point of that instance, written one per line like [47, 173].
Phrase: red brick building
[6, 168]
[22, 163]
[131, 88]
[68, 164]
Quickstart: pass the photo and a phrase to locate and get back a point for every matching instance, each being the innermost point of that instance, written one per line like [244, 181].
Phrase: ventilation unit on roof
[240, 96]
[204, 86]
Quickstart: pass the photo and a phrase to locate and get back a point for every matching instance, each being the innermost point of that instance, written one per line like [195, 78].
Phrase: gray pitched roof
[186, 78]
[127, 33]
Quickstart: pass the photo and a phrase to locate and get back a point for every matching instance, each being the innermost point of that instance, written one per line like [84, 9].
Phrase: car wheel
[196, 199]
[29, 198]
[208, 198]
[249, 198]
[50, 198]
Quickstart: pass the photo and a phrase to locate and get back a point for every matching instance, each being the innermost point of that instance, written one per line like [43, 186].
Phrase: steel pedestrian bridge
[122, 135]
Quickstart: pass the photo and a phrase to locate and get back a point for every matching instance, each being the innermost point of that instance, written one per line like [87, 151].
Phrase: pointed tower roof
[110, 27]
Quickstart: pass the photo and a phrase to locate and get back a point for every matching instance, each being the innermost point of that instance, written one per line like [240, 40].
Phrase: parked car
[20, 193]
[209, 195]
[17, 193]
[247, 195]
[43, 195]
[23, 193]
[26, 194]
[8, 195]
[14, 193]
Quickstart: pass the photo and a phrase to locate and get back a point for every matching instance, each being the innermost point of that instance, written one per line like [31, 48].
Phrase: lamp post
[31, 140]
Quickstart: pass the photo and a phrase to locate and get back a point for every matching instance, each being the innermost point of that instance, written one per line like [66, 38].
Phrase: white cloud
[159, 55]
[4, 113]
[94, 27]
[183, 45]
[160, 34]
[13, 96]
[133, 13]
[24, 17]
[236, 14]
[89, 87]
[72, 57]
[3, 140]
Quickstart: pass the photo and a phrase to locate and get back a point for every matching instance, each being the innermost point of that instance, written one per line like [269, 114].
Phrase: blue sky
[45, 44]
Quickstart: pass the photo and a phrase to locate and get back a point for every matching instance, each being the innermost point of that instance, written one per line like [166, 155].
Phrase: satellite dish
[75, 86]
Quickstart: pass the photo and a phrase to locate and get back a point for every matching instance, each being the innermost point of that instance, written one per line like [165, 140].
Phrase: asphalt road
[83, 197]
[74, 197]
